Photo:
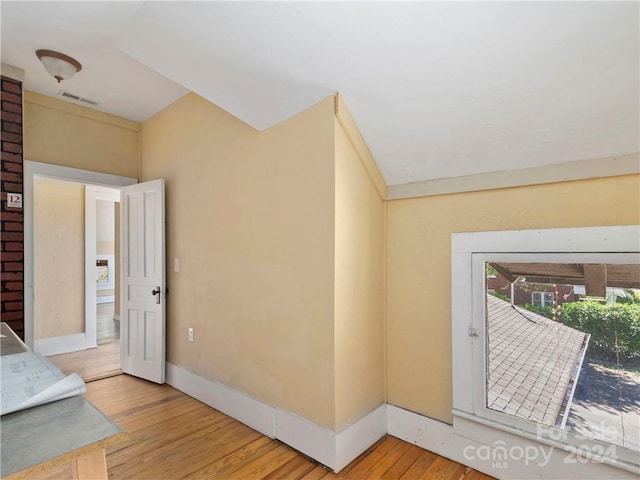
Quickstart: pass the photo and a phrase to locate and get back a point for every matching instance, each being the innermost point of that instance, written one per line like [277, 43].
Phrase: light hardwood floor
[91, 364]
[173, 436]
[107, 330]
[96, 363]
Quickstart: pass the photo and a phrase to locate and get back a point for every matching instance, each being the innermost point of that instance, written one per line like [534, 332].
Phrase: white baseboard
[306, 437]
[116, 318]
[63, 344]
[495, 452]
[243, 408]
[480, 447]
[335, 450]
[106, 299]
[355, 439]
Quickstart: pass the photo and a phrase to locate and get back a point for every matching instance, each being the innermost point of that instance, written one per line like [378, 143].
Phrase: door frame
[93, 193]
[32, 169]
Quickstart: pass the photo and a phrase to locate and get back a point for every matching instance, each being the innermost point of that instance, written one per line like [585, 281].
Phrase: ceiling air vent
[77, 98]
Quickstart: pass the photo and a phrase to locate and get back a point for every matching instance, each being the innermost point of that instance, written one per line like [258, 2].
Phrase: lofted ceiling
[438, 89]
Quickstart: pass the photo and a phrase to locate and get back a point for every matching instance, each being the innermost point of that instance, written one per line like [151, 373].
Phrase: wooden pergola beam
[595, 279]
[504, 272]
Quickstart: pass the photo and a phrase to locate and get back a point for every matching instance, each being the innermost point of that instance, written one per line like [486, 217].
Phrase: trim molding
[561, 172]
[355, 439]
[470, 443]
[496, 453]
[243, 408]
[472, 421]
[92, 194]
[64, 344]
[12, 72]
[32, 169]
[335, 450]
[79, 111]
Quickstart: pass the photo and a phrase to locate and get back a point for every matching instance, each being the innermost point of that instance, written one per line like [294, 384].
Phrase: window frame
[470, 252]
[543, 302]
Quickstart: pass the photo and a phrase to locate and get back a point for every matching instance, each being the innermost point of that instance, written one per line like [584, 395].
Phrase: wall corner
[360, 146]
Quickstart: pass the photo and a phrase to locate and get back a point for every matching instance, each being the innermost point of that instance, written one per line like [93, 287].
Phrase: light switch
[176, 264]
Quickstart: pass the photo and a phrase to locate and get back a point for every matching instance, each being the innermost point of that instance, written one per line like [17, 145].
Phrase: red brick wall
[564, 293]
[11, 219]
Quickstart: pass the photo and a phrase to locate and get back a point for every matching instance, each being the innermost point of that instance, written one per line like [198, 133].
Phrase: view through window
[563, 347]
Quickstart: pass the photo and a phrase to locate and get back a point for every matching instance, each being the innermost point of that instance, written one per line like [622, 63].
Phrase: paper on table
[67, 387]
[29, 379]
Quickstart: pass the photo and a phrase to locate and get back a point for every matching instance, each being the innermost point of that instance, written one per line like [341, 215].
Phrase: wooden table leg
[92, 466]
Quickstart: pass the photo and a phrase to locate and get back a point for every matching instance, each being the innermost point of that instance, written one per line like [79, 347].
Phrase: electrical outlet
[191, 334]
[176, 264]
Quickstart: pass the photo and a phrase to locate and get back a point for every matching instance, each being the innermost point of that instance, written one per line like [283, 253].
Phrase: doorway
[76, 276]
[106, 261]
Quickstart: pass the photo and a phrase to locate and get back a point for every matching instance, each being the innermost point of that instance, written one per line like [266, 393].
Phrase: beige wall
[59, 256]
[62, 133]
[419, 268]
[105, 248]
[277, 235]
[359, 286]
[251, 217]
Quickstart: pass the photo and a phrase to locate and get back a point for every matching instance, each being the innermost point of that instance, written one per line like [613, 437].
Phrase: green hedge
[544, 311]
[604, 322]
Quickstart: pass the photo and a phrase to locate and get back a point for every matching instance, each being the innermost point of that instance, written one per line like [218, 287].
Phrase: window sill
[544, 451]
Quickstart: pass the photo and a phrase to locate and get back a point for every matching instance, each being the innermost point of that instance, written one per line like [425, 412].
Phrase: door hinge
[473, 332]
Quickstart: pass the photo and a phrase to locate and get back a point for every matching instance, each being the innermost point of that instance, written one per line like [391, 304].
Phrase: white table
[40, 438]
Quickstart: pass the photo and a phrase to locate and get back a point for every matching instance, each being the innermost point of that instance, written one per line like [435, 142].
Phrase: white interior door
[143, 289]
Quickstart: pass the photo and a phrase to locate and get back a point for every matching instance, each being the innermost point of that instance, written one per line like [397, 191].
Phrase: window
[516, 369]
[542, 299]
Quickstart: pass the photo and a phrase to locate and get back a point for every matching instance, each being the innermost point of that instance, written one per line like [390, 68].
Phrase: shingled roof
[534, 363]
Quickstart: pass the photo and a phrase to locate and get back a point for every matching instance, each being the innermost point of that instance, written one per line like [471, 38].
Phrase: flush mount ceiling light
[61, 66]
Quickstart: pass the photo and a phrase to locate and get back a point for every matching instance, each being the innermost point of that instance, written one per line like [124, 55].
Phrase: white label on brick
[14, 200]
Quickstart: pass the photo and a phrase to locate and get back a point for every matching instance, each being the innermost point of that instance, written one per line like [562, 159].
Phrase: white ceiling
[438, 89]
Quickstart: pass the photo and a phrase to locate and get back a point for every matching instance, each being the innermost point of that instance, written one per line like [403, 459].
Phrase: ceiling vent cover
[77, 98]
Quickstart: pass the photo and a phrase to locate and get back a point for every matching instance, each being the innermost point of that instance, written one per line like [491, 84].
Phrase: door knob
[156, 292]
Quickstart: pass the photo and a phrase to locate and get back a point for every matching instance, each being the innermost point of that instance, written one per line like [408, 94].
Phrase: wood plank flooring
[96, 363]
[91, 364]
[173, 436]
[107, 329]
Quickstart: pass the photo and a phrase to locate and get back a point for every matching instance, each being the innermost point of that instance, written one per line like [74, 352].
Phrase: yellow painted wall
[419, 268]
[59, 257]
[251, 217]
[66, 134]
[359, 286]
[62, 133]
[105, 248]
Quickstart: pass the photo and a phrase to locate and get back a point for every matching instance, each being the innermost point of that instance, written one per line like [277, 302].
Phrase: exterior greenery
[501, 296]
[614, 328]
[544, 311]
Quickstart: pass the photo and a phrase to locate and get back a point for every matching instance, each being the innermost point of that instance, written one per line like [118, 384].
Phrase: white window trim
[543, 302]
[469, 253]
